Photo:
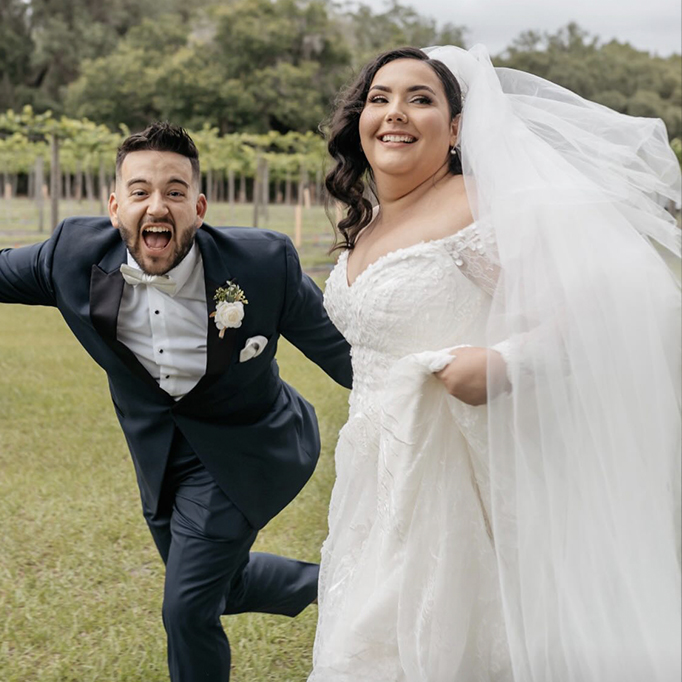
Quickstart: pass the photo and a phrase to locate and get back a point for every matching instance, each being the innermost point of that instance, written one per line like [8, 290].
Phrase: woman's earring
[453, 151]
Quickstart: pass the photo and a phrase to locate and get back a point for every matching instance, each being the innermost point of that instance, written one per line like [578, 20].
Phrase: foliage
[43, 43]
[369, 34]
[18, 153]
[15, 53]
[23, 137]
[251, 66]
[121, 87]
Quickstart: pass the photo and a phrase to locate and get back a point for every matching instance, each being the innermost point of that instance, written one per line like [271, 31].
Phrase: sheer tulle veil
[585, 450]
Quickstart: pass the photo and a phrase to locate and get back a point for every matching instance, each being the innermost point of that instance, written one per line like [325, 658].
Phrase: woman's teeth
[397, 138]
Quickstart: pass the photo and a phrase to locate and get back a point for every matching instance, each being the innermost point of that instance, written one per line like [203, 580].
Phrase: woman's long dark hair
[346, 181]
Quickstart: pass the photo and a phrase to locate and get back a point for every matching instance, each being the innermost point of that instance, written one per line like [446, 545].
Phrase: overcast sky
[651, 25]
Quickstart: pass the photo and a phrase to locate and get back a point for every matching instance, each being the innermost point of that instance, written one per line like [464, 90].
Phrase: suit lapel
[216, 274]
[106, 290]
[218, 351]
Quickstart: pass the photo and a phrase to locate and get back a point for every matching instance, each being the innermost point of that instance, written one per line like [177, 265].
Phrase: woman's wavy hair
[346, 180]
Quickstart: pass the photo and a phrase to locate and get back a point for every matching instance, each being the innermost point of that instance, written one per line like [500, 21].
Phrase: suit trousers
[205, 542]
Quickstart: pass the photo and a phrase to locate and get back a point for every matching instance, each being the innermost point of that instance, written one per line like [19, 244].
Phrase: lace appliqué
[476, 257]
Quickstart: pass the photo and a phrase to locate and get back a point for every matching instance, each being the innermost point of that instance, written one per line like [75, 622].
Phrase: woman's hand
[466, 377]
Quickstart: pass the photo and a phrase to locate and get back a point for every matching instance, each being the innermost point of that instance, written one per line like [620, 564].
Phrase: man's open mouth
[156, 237]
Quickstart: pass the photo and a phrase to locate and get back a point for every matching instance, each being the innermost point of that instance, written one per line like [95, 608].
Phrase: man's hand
[466, 377]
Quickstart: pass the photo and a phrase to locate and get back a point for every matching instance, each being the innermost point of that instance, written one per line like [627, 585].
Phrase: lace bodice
[427, 296]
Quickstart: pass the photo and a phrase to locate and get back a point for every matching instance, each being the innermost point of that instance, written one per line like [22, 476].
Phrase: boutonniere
[229, 310]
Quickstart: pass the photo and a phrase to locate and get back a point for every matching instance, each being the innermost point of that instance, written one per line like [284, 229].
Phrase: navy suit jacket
[254, 433]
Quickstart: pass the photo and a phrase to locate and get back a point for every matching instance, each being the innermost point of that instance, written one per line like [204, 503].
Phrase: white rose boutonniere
[229, 312]
[229, 315]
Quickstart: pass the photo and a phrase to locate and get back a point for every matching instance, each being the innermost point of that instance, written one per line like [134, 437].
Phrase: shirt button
[156, 312]
[167, 376]
[160, 350]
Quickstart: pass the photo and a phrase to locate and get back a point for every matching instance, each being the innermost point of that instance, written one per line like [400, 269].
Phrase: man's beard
[183, 244]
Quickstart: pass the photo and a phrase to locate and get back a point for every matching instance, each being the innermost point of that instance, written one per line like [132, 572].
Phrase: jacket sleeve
[26, 273]
[305, 323]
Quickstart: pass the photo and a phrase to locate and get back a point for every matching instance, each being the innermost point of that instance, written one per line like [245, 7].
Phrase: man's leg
[205, 541]
[273, 584]
[210, 542]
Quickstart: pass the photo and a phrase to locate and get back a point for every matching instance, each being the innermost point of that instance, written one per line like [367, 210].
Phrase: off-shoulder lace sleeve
[476, 257]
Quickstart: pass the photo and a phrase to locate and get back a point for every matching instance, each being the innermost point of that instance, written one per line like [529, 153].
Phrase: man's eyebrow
[171, 181]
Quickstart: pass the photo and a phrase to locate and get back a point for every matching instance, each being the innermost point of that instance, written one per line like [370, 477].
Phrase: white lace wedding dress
[409, 588]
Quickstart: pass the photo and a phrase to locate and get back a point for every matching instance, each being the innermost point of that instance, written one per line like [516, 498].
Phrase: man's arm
[304, 322]
[26, 273]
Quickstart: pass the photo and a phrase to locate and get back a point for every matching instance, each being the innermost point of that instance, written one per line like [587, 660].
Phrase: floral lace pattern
[397, 603]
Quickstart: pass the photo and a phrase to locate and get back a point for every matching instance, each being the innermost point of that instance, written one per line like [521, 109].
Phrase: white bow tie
[134, 276]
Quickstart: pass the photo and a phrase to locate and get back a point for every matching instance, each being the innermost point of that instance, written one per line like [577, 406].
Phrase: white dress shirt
[168, 333]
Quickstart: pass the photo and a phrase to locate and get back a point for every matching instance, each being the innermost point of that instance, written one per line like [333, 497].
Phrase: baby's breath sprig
[232, 293]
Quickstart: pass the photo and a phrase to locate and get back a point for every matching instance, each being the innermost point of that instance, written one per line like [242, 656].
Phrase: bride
[507, 497]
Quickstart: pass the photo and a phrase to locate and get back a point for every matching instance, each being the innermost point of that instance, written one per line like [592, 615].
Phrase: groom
[220, 443]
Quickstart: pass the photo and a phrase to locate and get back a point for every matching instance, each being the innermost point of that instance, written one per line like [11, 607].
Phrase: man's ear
[113, 209]
[201, 208]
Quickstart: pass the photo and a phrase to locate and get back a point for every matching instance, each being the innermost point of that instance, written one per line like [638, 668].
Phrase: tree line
[253, 66]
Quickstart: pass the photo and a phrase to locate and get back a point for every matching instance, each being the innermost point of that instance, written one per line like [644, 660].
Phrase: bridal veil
[585, 448]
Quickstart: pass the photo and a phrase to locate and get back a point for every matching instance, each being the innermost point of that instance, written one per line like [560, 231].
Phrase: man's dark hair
[161, 137]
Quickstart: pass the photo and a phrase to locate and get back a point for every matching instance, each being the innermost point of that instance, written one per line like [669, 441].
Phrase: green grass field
[80, 580]
[19, 220]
